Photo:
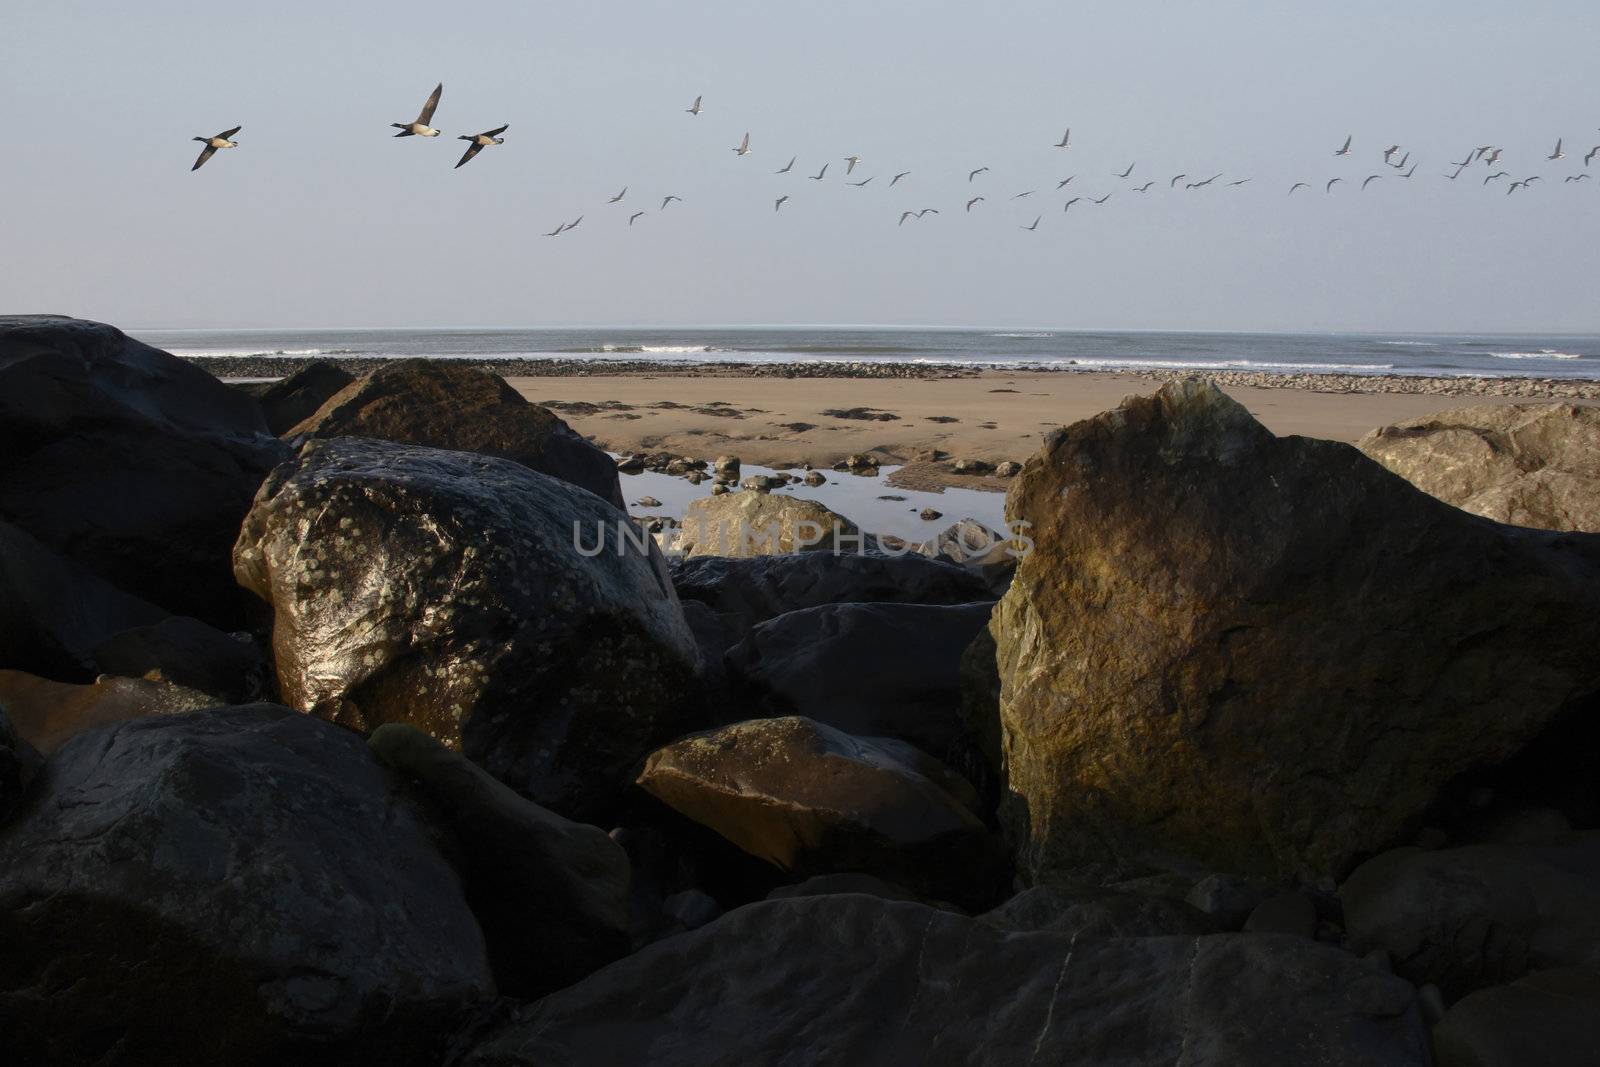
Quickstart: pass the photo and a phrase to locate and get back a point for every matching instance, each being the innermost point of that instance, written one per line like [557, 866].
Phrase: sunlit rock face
[456, 592]
[1263, 654]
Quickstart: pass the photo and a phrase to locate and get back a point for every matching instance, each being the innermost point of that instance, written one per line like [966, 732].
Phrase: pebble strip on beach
[1532, 388]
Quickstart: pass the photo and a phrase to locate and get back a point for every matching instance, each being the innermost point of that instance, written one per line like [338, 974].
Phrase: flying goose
[905, 215]
[480, 141]
[859, 184]
[1068, 205]
[1389, 152]
[1173, 184]
[1577, 178]
[1492, 177]
[669, 199]
[221, 140]
[1345, 151]
[852, 161]
[618, 198]
[1595, 151]
[1019, 196]
[787, 166]
[1066, 139]
[573, 225]
[973, 174]
[694, 108]
[1102, 200]
[744, 145]
[1129, 171]
[1370, 180]
[780, 201]
[420, 128]
[1241, 181]
[1035, 225]
[1557, 154]
[1062, 184]
[927, 211]
[1492, 158]
[974, 200]
[1297, 185]
[1145, 188]
[817, 177]
[1329, 187]
[897, 177]
[635, 215]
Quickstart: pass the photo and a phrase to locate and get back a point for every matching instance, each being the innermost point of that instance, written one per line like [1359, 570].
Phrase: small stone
[814, 478]
[929, 515]
[647, 502]
[1009, 469]
[692, 908]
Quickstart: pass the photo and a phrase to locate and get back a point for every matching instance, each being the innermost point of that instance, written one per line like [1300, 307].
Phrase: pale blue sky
[320, 218]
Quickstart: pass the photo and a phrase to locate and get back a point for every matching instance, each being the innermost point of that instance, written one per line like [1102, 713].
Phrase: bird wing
[433, 102]
[746, 142]
[472, 149]
[205, 153]
[496, 132]
[225, 134]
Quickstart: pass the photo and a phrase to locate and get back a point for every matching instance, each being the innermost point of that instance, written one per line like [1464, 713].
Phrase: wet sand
[993, 416]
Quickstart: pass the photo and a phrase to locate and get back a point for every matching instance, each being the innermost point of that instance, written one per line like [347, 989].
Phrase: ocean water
[1546, 356]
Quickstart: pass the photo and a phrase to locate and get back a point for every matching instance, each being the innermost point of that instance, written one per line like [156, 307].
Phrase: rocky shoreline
[350, 720]
[273, 367]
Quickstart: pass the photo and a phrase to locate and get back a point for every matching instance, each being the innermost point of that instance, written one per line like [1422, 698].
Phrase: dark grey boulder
[242, 885]
[53, 612]
[879, 670]
[751, 590]
[848, 882]
[445, 405]
[292, 400]
[189, 653]
[453, 591]
[129, 461]
[1088, 911]
[857, 980]
[1467, 918]
[19, 762]
[1548, 1019]
[550, 894]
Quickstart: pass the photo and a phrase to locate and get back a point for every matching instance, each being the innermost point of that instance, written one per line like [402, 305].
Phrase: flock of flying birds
[1490, 155]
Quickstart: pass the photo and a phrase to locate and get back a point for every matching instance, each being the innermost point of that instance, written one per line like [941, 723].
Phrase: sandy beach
[992, 416]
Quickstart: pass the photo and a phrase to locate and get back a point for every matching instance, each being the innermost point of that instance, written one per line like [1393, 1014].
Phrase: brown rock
[1266, 654]
[759, 524]
[1525, 464]
[810, 799]
[46, 714]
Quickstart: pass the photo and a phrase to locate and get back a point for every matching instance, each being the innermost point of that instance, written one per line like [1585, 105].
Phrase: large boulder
[47, 714]
[457, 592]
[443, 405]
[1524, 464]
[1095, 911]
[1263, 654]
[129, 461]
[1466, 918]
[19, 761]
[880, 670]
[764, 524]
[290, 401]
[1548, 1019]
[550, 894]
[754, 589]
[53, 612]
[189, 653]
[242, 885]
[855, 979]
[810, 799]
